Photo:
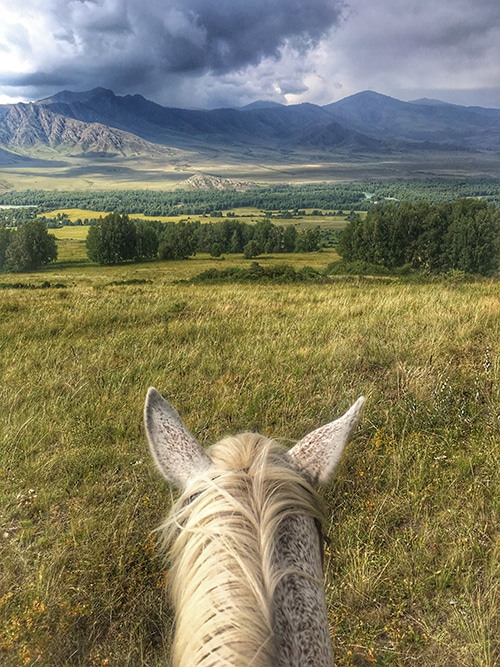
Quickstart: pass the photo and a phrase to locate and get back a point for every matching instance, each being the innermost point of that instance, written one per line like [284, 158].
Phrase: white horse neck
[246, 575]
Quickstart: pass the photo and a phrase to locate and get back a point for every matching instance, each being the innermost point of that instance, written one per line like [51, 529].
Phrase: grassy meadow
[412, 567]
[71, 239]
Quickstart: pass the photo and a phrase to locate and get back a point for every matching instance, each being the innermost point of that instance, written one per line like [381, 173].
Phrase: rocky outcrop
[206, 182]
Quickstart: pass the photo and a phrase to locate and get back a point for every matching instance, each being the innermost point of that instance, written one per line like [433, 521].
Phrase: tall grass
[412, 566]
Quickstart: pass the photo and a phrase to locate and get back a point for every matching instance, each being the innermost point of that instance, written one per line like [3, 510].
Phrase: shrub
[257, 273]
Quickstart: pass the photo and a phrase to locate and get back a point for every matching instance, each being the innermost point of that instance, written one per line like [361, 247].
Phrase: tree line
[116, 238]
[462, 235]
[192, 201]
[322, 196]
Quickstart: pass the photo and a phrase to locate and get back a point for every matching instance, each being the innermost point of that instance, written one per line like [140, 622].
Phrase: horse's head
[245, 550]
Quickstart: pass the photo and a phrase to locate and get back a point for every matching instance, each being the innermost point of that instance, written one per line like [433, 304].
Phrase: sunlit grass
[72, 251]
[75, 214]
[72, 232]
[412, 566]
[243, 214]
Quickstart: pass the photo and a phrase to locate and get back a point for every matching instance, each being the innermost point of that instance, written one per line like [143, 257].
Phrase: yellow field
[246, 214]
[75, 213]
[70, 232]
[80, 213]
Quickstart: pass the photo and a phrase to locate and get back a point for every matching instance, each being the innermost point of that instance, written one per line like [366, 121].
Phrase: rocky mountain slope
[28, 126]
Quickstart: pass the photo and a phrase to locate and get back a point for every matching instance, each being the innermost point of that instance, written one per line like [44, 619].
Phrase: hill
[255, 125]
[447, 125]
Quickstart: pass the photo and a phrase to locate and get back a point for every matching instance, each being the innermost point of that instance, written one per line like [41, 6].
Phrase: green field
[412, 569]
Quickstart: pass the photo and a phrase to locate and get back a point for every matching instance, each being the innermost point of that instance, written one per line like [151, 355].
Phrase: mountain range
[100, 123]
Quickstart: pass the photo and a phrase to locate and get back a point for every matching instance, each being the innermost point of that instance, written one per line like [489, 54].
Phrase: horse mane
[220, 535]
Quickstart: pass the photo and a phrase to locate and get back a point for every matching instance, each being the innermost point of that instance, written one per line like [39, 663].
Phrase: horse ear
[177, 453]
[318, 453]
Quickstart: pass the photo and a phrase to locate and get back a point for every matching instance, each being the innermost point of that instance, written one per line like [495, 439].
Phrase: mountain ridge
[99, 122]
[439, 123]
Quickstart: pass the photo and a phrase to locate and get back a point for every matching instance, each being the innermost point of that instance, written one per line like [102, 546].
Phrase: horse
[245, 542]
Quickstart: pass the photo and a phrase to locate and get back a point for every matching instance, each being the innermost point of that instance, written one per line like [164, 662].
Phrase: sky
[216, 53]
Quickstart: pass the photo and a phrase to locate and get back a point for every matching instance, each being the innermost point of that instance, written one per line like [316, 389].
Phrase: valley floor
[264, 168]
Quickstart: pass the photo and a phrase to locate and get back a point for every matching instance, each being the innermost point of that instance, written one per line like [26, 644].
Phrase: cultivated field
[412, 569]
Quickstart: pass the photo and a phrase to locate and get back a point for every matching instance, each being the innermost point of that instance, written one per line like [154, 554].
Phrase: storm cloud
[135, 44]
[206, 53]
[448, 49]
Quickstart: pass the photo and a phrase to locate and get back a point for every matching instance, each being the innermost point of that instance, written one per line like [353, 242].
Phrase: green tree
[112, 240]
[215, 249]
[146, 241]
[5, 238]
[236, 243]
[462, 235]
[30, 247]
[428, 253]
[308, 240]
[251, 249]
[269, 237]
[472, 239]
[179, 241]
[346, 246]
[289, 238]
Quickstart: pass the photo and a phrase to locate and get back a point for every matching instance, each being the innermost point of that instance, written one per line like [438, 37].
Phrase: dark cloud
[111, 42]
[407, 49]
[238, 34]
[216, 52]
[37, 80]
